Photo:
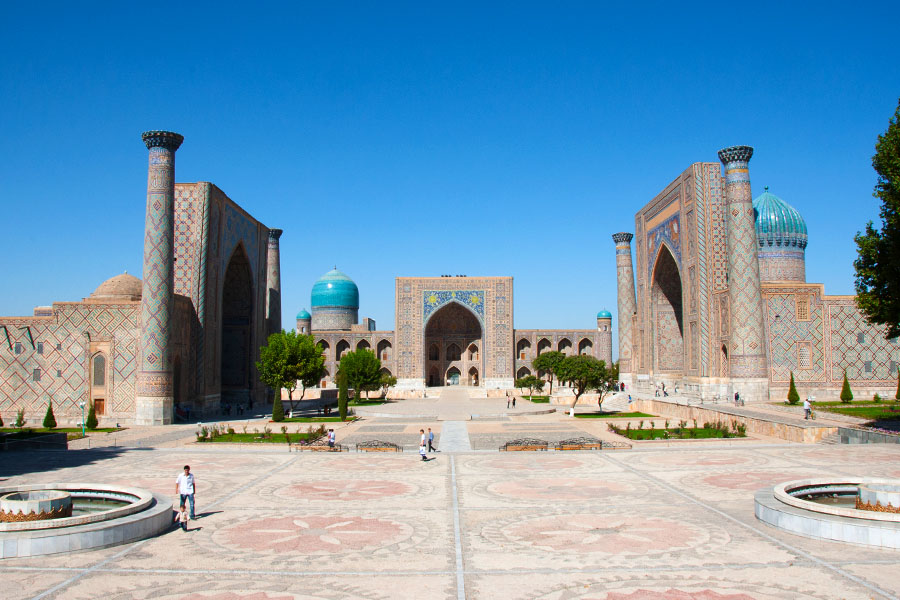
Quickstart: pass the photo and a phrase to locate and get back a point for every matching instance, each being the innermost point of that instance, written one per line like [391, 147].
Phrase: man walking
[807, 408]
[186, 487]
[422, 444]
[430, 440]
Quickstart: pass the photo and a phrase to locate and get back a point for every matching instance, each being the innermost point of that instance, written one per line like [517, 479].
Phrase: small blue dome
[335, 289]
[302, 315]
[778, 224]
[604, 314]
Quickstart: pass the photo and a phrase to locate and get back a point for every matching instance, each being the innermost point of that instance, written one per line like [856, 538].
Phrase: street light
[82, 417]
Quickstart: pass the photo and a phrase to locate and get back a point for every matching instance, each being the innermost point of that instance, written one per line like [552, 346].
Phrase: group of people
[426, 439]
[510, 399]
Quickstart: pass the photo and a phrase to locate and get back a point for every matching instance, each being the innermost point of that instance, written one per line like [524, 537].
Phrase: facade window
[804, 355]
[893, 367]
[99, 370]
[18, 347]
[868, 366]
[802, 308]
[36, 375]
[59, 346]
[860, 338]
[59, 372]
[40, 347]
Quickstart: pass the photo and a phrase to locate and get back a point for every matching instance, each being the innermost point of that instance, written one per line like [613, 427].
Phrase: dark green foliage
[896, 396]
[277, 408]
[548, 362]
[531, 383]
[290, 358]
[584, 373]
[49, 419]
[20, 419]
[387, 381]
[846, 392]
[91, 421]
[1, 417]
[878, 262]
[342, 395]
[362, 370]
[793, 397]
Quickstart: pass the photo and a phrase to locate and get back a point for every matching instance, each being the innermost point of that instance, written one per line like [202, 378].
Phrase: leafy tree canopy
[549, 363]
[530, 382]
[583, 373]
[290, 358]
[878, 262]
[362, 370]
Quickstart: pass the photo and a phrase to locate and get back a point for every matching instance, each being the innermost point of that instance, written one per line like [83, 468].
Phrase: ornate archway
[667, 316]
[448, 331]
[237, 315]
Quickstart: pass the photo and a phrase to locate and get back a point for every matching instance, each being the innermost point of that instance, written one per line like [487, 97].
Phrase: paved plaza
[668, 521]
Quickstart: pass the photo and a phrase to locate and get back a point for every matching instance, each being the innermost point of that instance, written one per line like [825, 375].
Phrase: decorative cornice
[162, 139]
[734, 154]
[622, 238]
[275, 234]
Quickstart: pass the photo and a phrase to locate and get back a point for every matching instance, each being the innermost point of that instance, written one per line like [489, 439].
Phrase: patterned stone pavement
[660, 523]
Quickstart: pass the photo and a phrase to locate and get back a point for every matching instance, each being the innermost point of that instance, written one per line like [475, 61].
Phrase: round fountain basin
[35, 505]
[879, 497]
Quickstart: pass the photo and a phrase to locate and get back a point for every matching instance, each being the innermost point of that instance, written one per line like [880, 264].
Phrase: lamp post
[82, 417]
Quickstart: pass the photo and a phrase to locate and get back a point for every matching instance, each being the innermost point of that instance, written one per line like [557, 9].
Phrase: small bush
[91, 421]
[20, 419]
[284, 429]
[277, 409]
[1, 421]
[793, 397]
[846, 392]
[49, 419]
[897, 395]
[876, 398]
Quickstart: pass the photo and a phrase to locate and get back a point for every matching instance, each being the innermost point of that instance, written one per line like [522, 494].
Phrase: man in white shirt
[186, 487]
[807, 408]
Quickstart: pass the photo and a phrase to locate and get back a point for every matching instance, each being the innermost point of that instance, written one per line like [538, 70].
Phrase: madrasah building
[713, 299]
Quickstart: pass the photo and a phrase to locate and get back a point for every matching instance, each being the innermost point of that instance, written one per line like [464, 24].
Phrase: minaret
[746, 350]
[273, 282]
[627, 304]
[604, 330]
[154, 394]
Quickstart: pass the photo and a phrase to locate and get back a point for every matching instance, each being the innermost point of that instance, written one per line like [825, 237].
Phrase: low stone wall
[802, 434]
[862, 436]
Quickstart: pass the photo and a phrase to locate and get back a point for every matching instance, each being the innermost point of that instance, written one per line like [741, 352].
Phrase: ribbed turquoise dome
[303, 315]
[604, 314]
[778, 224]
[335, 289]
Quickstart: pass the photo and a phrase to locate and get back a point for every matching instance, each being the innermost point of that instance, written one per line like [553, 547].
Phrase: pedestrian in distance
[422, 449]
[514, 401]
[186, 488]
[807, 408]
[181, 517]
[507, 399]
[331, 438]
[430, 440]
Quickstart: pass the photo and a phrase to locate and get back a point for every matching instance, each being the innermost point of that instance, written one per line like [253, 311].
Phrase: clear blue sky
[425, 138]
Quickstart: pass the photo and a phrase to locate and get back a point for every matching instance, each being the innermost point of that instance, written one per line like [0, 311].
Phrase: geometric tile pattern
[626, 299]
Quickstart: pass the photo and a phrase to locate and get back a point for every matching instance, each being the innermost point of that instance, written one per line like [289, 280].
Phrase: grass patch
[256, 438]
[72, 433]
[719, 429]
[826, 405]
[364, 402]
[875, 412]
[612, 415]
[538, 399]
[317, 420]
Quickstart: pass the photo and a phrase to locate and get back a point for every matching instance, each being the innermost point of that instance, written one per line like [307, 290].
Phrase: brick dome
[120, 287]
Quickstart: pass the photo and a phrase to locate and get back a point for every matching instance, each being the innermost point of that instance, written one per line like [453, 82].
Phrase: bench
[580, 443]
[378, 446]
[321, 448]
[524, 445]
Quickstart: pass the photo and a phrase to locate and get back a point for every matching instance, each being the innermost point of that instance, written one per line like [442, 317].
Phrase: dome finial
[767, 188]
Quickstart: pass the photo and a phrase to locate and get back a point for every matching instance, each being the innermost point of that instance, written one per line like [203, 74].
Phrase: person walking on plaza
[181, 517]
[430, 440]
[507, 399]
[514, 401]
[807, 408]
[186, 487]
[331, 438]
[422, 444]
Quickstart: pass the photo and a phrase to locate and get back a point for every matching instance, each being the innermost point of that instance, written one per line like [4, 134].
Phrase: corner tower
[747, 351]
[154, 397]
[627, 305]
[273, 281]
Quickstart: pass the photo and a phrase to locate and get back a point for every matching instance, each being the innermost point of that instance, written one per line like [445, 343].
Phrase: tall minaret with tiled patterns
[154, 393]
[747, 363]
[273, 282]
[627, 305]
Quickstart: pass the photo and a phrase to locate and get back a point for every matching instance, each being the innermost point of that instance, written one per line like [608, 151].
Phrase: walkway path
[454, 437]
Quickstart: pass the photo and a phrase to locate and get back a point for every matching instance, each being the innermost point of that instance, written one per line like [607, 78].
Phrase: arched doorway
[434, 378]
[523, 347]
[523, 372]
[448, 331]
[666, 308]
[723, 362]
[363, 345]
[586, 346]
[453, 376]
[544, 345]
[237, 314]
[473, 377]
[565, 346]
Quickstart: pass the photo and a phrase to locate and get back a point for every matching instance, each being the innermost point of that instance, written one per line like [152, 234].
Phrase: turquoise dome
[335, 289]
[604, 314]
[778, 224]
[303, 315]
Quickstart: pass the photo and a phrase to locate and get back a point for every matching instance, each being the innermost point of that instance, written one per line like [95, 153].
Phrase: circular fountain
[62, 517]
[863, 511]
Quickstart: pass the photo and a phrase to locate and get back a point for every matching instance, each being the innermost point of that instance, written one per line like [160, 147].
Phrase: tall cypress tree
[91, 421]
[277, 408]
[896, 396]
[49, 419]
[846, 392]
[793, 397]
[342, 396]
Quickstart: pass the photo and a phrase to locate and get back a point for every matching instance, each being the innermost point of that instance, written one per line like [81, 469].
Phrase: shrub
[846, 392]
[1, 421]
[231, 431]
[49, 419]
[342, 396]
[793, 397]
[20, 419]
[284, 429]
[277, 409]
[876, 398]
[896, 396]
[91, 421]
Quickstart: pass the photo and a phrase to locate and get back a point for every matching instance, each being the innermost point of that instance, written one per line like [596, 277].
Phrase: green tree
[277, 408]
[878, 263]
[387, 381]
[289, 359]
[342, 395]
[793, 397]
[548, 362]
[91, 421]
[49, 419]
[362, 370]
[583, 373]
[530, 383]
[896, 396]
[846, 392]
[610, 382]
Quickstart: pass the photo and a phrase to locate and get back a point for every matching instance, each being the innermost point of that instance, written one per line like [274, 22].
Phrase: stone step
[832, 439]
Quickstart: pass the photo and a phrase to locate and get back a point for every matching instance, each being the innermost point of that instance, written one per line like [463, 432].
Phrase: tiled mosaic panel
[625, 304]
[784, 331]
[845, 323]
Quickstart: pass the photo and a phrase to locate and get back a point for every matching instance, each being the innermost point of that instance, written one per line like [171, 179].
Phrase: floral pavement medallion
[345, 490]
[568, 489]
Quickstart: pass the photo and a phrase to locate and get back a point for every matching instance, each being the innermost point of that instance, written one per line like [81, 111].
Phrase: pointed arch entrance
[667, 315]
[237, 315]
[448, 331]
